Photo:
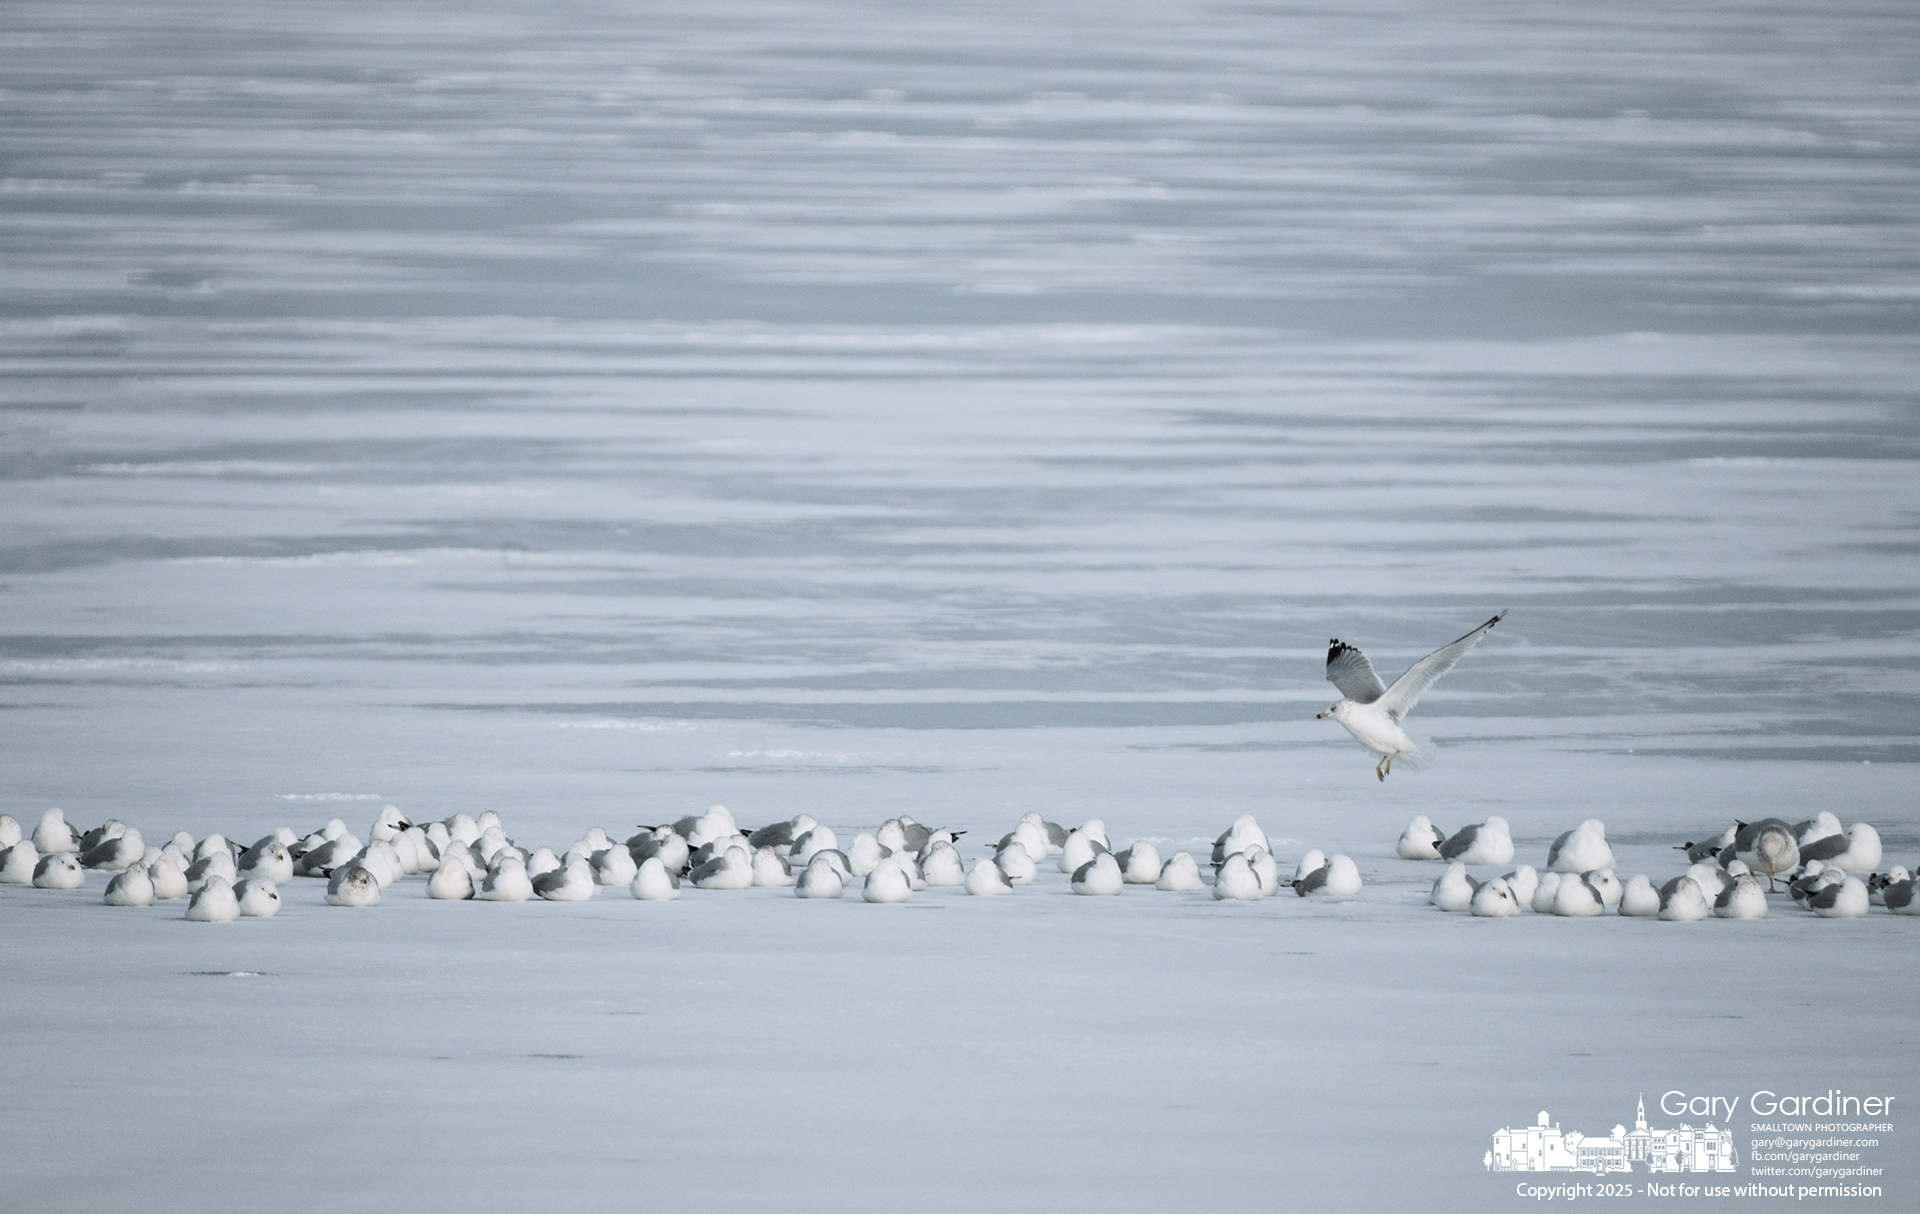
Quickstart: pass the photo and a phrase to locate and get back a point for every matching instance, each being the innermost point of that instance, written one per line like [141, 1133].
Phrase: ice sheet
[595, 412]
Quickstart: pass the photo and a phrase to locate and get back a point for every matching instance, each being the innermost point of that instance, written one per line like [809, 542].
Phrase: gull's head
[1337, 712]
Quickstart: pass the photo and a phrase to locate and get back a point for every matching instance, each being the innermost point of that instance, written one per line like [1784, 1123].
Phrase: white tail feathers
[1420, 756]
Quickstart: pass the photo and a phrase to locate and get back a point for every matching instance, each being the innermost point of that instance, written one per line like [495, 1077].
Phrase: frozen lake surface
[597, 412]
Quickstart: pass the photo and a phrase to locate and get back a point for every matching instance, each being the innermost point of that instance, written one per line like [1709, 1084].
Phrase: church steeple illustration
[1544, 1147]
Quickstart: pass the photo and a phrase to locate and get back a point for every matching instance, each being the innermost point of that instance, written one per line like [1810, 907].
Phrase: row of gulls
[1582, 849]
[472, 858]
[1724, 881]
[219, 881]
[1489, 842]
[1828, 869]
[1245, 869]
[1774, 848]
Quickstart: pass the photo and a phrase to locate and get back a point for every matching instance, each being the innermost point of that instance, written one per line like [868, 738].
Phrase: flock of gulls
[1827, 869]
[471, 857]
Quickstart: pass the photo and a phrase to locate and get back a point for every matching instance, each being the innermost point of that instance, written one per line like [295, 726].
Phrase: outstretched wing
[1407, 689]
[1349, 670]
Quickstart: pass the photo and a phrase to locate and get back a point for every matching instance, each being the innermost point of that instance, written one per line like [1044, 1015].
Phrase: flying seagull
[1372, 711]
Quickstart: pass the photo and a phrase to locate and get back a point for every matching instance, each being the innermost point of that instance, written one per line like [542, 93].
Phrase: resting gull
[1489, 842]
[1453, 890]
[887, 883]
[1018, 866]
[653, 881]
[1681, 901]
[1180, 875]
[1099, 876]
[1741, 899]
[214, 902]
[1139, 864]
[1339, 877]
[1236, 880]
[1846, 899]
[452, 881]
[987, 880]
[1420, 841]
[1495, 900]
[1639, 900]
[130, 887]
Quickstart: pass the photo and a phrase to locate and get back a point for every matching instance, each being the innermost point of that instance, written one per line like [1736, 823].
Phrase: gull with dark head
[1372, 711]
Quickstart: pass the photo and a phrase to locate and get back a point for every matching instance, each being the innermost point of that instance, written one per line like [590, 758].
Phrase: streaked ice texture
[594, 412]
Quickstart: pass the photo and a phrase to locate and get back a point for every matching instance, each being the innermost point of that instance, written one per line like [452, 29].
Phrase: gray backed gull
[1372, 711]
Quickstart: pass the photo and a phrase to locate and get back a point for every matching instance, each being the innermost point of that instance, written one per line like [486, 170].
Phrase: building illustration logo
[1542, 1147]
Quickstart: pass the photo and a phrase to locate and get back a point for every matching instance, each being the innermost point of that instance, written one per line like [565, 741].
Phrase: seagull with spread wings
[1372, 711]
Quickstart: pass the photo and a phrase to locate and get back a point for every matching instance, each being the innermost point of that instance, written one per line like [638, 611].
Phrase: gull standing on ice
[1372, 711]
[1767, 848]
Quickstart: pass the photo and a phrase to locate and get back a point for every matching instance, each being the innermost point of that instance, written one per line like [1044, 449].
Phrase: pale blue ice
[594, 412]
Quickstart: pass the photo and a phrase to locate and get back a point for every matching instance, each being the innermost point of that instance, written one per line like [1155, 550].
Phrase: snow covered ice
[591, 414]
